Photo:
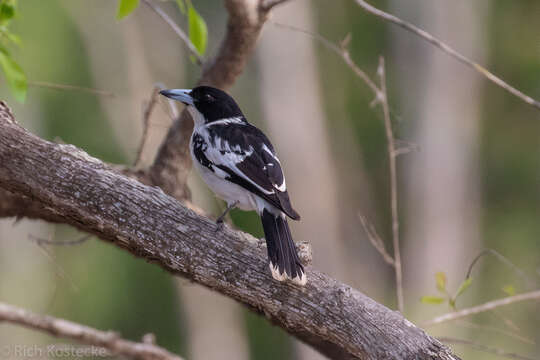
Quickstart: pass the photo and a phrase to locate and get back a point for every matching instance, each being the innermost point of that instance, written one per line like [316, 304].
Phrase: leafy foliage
[126, 7]
[509, 290]
[14, 74]
[440, 284]
[434, 300]
[198, 32]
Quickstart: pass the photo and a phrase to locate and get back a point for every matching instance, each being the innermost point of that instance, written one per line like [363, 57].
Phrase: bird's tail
[284, 261]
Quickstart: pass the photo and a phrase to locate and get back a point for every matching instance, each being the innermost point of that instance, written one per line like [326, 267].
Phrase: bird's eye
[208, 97]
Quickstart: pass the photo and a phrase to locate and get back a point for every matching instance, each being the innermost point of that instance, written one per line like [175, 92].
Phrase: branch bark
[84, 334]
[72, 187]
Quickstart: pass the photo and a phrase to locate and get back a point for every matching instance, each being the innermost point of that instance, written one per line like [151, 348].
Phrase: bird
[239, 164]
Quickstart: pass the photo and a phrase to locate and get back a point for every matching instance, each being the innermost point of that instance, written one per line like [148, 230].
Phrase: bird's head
[206, 104]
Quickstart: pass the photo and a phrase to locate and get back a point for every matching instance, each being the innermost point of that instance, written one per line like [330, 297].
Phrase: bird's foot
[219, 224]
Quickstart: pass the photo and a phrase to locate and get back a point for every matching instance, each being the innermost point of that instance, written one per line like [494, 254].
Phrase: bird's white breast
[228, 191]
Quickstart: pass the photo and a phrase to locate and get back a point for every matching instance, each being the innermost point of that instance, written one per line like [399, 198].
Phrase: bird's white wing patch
[223, 154]
[283, 186]
[232, 120]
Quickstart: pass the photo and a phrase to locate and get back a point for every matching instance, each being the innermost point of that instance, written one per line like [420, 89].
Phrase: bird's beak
[178, 94]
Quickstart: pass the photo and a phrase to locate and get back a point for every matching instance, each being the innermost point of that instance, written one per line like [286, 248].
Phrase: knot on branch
[5, 113]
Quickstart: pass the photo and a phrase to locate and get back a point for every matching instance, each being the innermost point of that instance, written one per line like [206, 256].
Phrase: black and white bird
[238, 162]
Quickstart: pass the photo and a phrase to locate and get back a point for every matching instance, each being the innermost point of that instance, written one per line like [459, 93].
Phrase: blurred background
[472, 183]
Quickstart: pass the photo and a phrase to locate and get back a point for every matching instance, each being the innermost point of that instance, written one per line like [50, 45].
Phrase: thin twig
[340, 50]
[393, 183]
[508, 322]
[404, 147]
[471, 325]
[146, 124]
[490, 305]
[41, 241]
[84, 334]
[484, 348]
[58, 268]
[380, 97]
[528, 281]
[449, 50]
[376, 240]
[181, 34]
[71, 88]
[269, 4]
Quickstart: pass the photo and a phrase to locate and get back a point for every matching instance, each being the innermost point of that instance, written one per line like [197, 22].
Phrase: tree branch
[490, 305]
[390, 143]
[45, 84]
[449, 50]
[173, 162]
[381, 97]
[79, 190]
[84, 334]
[147, 112]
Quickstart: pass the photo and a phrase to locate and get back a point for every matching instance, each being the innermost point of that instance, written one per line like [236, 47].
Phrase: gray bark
[62, 183]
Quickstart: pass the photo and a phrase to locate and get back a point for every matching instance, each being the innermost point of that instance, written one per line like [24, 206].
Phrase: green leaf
[509, 290]
[198, 32]
[126, 7]
[7, 11]
[434, 300]
[15, 76]
[440, 279]
[464, 286]
[181, 6]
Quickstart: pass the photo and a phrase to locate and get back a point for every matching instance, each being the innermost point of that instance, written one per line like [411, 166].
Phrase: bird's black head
[213, 104]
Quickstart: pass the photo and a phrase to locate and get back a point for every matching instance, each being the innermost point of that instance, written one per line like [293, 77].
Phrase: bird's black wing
[246, 157]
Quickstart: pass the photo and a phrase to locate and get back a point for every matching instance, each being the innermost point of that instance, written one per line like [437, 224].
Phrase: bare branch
[484, 348]
[269, 4]
[528, 281]
[404, 147]
[393, 183]
[448, 50]
[471, 325]
[58, 268]
[341, 50]
[146, 124]
[84, 334]
[490, 305]
[380, 97]
[80, 190]
[376, 240]
[50, 241]
[181, 34]
[50, 85]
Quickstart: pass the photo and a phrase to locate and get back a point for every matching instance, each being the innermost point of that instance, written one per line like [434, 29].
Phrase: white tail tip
[299, 280]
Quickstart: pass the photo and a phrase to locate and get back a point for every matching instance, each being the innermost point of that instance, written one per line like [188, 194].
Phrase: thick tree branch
[84, 334]
[82, 191]
[173, 162]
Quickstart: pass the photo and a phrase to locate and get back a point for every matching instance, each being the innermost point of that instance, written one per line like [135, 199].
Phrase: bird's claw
[219, 225]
